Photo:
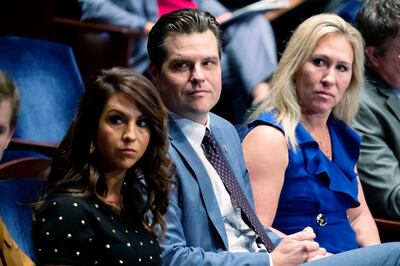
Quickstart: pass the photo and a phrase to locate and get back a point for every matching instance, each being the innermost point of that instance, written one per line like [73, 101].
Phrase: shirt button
[321, 220]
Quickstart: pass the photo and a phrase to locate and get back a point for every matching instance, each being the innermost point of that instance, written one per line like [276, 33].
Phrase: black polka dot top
[80, 231]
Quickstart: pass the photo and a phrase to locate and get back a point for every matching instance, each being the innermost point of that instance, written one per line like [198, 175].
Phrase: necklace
[325, 148]
[324, 142]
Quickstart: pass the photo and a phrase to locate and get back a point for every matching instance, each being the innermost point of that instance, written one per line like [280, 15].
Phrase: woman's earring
[92, 148]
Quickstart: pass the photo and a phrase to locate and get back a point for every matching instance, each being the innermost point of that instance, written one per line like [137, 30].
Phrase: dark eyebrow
[212, 58]
[114, 111]
[121, 113]
[179, 60]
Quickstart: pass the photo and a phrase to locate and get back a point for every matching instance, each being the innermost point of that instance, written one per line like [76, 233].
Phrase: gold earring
[92, 148]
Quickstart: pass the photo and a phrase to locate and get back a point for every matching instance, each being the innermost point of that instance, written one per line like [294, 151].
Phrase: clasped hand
[297, 248]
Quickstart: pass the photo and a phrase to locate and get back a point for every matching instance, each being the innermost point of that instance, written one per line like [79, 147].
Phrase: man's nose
[198, 74]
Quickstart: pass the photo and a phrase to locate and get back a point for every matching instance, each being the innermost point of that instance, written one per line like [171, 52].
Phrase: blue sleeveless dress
[316, 191]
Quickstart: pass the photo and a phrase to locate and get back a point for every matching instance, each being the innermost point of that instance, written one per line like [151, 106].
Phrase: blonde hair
[283, 98]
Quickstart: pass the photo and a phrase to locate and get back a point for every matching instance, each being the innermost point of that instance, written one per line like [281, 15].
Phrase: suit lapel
[392, 101]
[394, 105]
[185, 150]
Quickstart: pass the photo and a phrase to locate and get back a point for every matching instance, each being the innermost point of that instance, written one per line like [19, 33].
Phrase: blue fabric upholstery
[348, 10]
[16, 198]
[50, 86]
[10, 155]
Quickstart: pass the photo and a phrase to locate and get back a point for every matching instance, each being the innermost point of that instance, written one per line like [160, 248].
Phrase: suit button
[321, 220]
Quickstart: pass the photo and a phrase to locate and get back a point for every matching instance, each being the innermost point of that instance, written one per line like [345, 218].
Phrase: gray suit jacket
[378, 121]
[195, 230]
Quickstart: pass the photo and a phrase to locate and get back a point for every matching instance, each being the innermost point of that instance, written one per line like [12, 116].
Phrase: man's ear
[10, 136]
[154, 74]
[373, 56]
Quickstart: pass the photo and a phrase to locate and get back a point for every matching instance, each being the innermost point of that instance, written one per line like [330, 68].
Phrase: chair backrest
[21, 184]
[50, 86]
[348, 10]
[91, 39]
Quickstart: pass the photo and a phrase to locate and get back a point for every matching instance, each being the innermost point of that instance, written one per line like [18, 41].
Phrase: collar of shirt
[193, 131]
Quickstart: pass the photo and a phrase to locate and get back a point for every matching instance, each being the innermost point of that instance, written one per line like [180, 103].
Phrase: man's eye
[180, 65]
[208, 62]
[3, 130]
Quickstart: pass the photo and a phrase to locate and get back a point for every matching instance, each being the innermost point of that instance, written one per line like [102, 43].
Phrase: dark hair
[379, 22]
[183, 21]
[76, 170]
[8, 90]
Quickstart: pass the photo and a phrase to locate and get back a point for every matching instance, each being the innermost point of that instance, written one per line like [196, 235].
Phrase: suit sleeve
[175, 250]
[378, 166]
[106, 11]
[183, 217]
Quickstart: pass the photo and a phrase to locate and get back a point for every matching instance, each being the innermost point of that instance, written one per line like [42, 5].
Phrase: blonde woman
[300, 151]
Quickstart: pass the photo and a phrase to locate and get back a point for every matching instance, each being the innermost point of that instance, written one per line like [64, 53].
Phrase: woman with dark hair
[110, 178]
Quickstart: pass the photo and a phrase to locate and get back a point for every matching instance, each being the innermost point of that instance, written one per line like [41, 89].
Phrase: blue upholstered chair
[348, 10]
[21, 184]
[50, 86]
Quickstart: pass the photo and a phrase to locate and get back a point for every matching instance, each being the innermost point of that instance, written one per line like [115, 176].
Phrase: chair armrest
[95, 26]
[387, 225]
[388, 229]
[23, 145]
[25, 167]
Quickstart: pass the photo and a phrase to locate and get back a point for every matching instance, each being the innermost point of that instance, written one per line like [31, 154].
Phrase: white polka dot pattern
[90, 233]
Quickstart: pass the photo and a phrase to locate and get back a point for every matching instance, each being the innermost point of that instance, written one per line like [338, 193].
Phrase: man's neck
[201, 119]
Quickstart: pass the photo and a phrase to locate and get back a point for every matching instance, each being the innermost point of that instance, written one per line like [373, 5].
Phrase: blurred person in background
[10, 253]
[378, 118]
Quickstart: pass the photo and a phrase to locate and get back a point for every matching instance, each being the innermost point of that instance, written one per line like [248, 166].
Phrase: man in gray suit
[378, 118]
[205, 225]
